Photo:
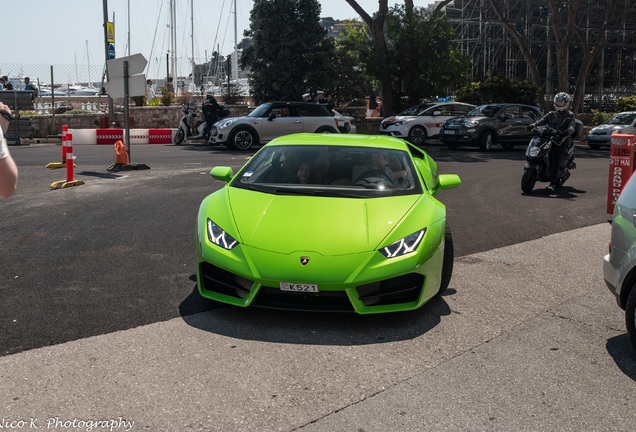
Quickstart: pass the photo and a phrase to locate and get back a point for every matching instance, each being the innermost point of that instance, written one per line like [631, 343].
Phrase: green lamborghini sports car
[327, 222]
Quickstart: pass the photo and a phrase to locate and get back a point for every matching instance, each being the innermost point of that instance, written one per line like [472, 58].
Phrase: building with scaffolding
[492, 48]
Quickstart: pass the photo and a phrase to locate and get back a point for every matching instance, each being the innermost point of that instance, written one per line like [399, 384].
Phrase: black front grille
[402, 289]
[324, 301]
[223, 282]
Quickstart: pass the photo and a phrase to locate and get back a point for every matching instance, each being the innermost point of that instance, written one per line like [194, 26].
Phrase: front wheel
[326, 129]
[417, 135]
[449, 258]
[486, 141]
[179, 136]
[528, 180]
[242, 139]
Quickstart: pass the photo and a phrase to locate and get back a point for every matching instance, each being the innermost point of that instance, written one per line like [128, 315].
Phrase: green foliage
[153, 102]
[423, 61]
[423, 57]
[626, 104]
[167, 97]
[599, 117]
[139, 100]
[497, 89]
[78, 111]
[287, 53]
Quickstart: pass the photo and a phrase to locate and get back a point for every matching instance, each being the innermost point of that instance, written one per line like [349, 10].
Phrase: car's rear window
[354, 172]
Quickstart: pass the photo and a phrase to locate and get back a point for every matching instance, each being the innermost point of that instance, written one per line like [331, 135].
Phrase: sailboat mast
[192, 37]
[235, 57]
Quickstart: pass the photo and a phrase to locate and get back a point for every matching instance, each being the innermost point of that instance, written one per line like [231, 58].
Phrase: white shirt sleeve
[4, 151]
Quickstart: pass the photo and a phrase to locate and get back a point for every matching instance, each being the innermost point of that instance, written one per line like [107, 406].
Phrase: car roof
[345, 140]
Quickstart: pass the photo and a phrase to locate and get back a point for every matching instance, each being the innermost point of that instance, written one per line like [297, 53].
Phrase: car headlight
[617, 131]
[404, 246]
[472, 123]
[225, 123]
[399, 123]
[219, 237]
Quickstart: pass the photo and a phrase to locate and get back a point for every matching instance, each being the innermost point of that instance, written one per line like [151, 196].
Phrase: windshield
[415, 110]
[622, 119]
[337, 171]
[484, 111]
[261, 110]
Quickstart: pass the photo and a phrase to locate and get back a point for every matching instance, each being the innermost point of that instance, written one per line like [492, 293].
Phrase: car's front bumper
[364, 283]
[458, 136]
[395, 131]
[601, 140]
[218, 136]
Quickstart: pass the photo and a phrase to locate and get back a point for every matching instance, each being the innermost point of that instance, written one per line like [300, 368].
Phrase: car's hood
[326, 225]
[393, 119]
[607, 128]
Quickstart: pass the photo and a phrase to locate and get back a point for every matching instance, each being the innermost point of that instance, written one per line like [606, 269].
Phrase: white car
[422, 121]
[619, 266]
[346, 123]
[601, 135]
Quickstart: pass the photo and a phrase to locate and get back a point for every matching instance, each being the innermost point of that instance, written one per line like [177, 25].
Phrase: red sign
[621, 167]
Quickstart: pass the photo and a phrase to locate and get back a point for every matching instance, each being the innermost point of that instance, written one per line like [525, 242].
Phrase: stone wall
[165, 117]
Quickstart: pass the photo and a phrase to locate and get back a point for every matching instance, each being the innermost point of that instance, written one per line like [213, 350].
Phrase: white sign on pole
[136, 65]
[136, 86]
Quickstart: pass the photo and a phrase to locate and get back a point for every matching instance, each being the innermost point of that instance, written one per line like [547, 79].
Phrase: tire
[449, 259]
[630, 316]
[486, 141]
[417, 135]
[242, 139]
[325, 129]
[528, 180]
[179, 136]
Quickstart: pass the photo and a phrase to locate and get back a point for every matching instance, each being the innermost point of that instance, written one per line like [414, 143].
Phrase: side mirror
[271, 117]
[222, 173]
[448, 181]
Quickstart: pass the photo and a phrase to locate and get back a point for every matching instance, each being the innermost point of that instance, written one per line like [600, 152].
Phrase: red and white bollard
[70, 180]
[63, 163]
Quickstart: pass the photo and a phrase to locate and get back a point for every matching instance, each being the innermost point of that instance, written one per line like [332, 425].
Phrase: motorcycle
[184, 132]
[537, 167]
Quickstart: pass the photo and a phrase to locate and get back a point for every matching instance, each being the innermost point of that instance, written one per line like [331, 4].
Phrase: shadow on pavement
[624, 354]
[313, 328]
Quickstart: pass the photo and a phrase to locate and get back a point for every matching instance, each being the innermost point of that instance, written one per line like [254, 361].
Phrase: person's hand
[4, 122]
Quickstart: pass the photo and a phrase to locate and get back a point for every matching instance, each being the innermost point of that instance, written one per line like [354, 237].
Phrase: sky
[70, 32]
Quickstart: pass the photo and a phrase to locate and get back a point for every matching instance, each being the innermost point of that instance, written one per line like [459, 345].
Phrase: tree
[565, 28]
[424, 59]
[497, 89]
[286, 48]
[381, 48]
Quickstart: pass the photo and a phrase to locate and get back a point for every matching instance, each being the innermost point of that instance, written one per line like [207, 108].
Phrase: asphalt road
[100, 315]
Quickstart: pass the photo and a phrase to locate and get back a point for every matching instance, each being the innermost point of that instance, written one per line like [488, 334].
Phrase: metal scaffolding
[492, 48]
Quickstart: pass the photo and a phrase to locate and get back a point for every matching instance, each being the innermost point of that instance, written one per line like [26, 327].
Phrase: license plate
[449, 132]
[298, 287]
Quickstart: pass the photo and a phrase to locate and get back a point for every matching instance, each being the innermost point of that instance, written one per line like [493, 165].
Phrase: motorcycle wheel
[528, 180]
[179, 136]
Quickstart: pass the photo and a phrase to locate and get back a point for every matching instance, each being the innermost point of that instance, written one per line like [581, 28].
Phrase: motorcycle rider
[210, 111]
[562, 120]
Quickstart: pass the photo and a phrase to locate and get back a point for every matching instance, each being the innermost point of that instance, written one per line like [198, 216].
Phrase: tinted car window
[513, 112]
[621, 119]
[460, 110]
[484, 111]
[313, 110]
[333, 170]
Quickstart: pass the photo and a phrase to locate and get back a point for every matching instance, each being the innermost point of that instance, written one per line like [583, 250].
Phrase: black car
[491, 124]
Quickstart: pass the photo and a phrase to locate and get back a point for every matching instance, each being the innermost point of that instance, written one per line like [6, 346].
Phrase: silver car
[619, 265]
[422, 121]
[601, 135]
[271, 120]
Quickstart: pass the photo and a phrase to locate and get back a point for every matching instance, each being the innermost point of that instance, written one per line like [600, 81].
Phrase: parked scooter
[184, 132]
[537, 167]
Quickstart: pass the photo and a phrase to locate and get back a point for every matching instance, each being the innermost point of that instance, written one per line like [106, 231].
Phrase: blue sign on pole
[111, 51]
